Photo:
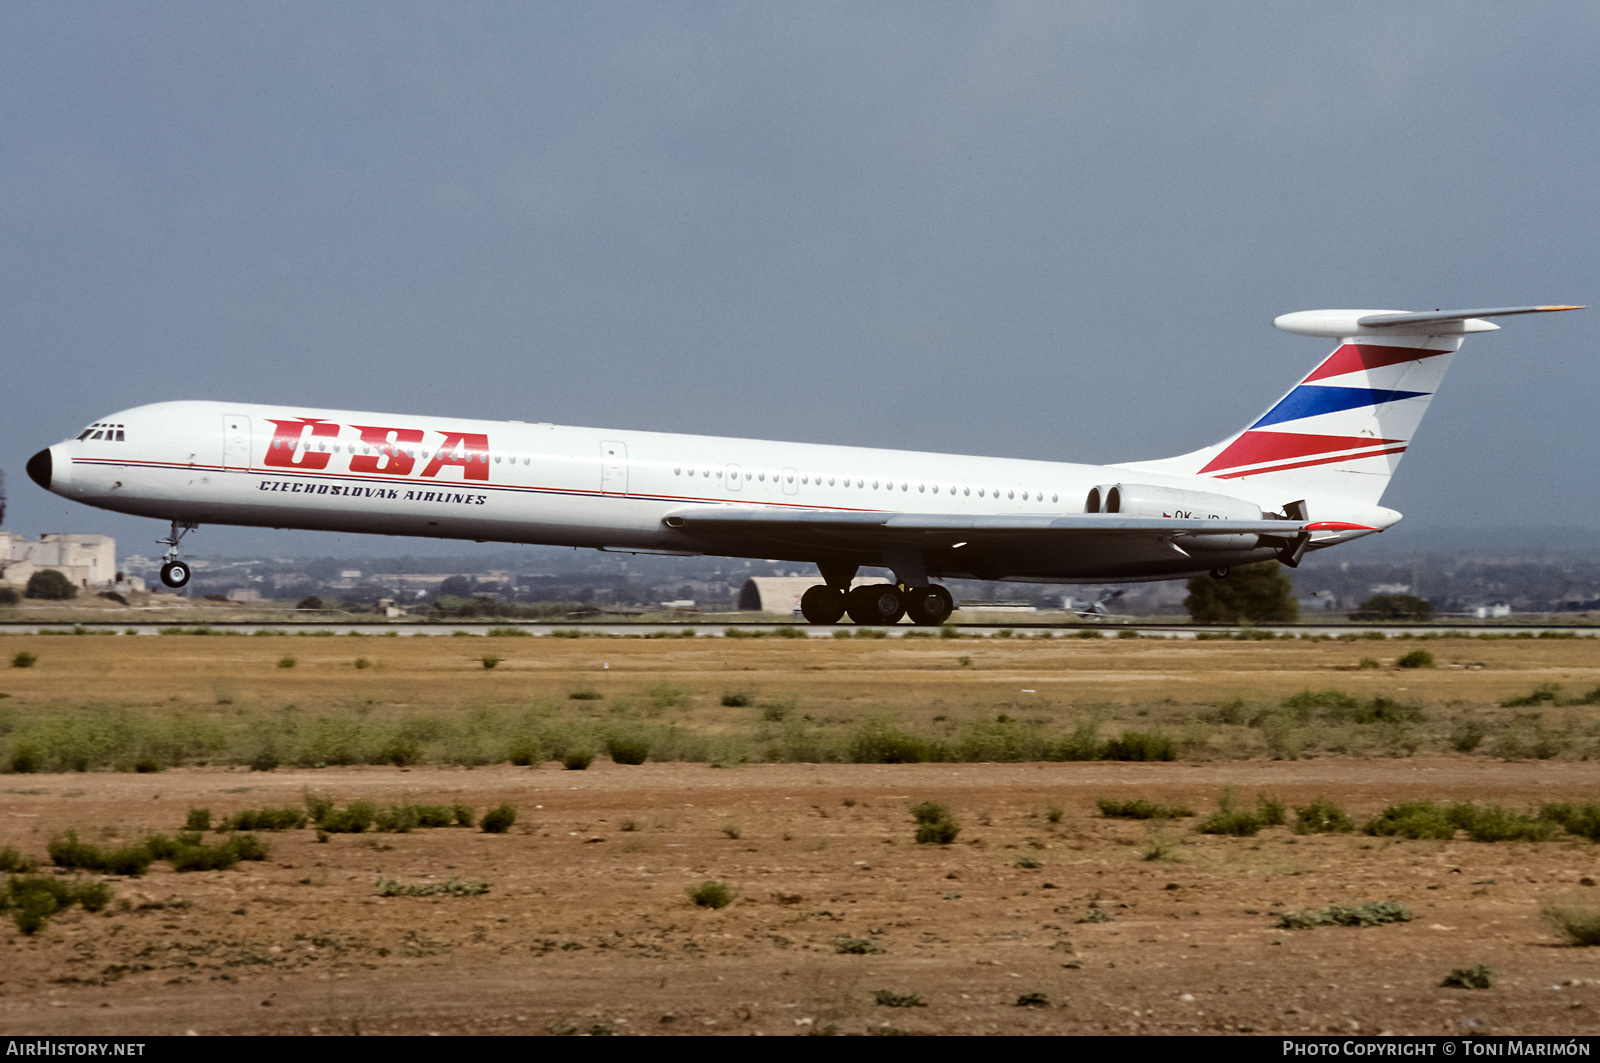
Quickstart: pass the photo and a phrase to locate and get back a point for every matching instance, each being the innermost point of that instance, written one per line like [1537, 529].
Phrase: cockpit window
[111, 433]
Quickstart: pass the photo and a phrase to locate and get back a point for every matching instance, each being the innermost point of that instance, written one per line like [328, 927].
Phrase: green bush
[1543, 694]
[11, 859]
[1336, 706]
[1082, 744]
[1140, 746]
[935, 824]
[1322, 816]
[262, 819]
[24, 659]
[33, 899]
[9, 596]
[49, 585]
[735, 700]
[1373, 913]
[490, 660]
[1416, 659]
[629, 748]
[1252, 594]
[397, 819]
[1491, 823]
[1269, 812]
[846, 945]
[1467, 736]
[880, 744]
[710, 894]
[1578, 924]
[499, 820]
[887, 998]
[577, 759]
[1235, 821]
[249, 847]
[1495, 824]
[450, 887]
[198, 819]
[354, 818]
[67, 851]
[1139, 808]
[1479, 977]
[1582, 820]
[1392, 607]
[199, 857]
[1412, 819]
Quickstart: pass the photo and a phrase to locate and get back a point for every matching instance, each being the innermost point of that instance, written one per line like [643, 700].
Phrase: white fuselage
[288, 467]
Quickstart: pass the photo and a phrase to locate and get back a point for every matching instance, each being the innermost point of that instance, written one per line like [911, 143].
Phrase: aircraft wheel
[175, 574]
[929, 605]
[822, 604]
[876, 603]
[1219, 573]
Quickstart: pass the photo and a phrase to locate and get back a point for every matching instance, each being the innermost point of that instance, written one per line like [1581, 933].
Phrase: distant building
[781, 594]
[1492, 612]
[1319, 601]
[89, 561]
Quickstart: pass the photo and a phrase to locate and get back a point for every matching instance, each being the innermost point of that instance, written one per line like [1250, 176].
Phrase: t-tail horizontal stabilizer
[1338, 435]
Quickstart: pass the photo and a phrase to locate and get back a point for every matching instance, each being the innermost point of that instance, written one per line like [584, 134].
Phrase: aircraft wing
[1078, 534]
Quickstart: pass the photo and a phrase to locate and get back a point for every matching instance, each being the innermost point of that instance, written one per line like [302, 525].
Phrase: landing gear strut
[175, 573]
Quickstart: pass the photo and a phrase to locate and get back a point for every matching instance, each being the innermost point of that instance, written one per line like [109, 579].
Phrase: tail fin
[1341, 431]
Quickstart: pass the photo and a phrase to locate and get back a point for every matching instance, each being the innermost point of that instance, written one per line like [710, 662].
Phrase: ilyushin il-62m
[1307, 474]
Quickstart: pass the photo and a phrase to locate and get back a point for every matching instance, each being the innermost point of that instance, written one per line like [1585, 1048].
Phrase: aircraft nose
[40, 468]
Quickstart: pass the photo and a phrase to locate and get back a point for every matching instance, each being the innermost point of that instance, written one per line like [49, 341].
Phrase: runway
[799, 629]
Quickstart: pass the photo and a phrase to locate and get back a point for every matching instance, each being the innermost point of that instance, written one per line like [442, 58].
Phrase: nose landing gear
[175, 573]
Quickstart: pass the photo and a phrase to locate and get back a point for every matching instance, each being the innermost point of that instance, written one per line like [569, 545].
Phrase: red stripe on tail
[1354, 357]
[1253, 448]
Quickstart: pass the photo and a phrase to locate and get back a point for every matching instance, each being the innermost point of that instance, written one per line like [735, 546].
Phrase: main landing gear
[877, 603]
[175, 573]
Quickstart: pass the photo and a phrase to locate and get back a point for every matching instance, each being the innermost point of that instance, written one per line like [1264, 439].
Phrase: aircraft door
[235, 441]
[613, 467]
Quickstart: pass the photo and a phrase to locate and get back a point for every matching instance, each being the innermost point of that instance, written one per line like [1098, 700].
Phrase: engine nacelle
[1147, 500]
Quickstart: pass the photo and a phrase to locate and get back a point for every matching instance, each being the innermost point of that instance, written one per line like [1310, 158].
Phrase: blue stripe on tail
[1309, 401]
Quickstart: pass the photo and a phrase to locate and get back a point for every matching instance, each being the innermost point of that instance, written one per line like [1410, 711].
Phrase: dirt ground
[588, 927]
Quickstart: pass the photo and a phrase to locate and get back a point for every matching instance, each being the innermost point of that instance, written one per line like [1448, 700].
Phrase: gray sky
[1052, 231]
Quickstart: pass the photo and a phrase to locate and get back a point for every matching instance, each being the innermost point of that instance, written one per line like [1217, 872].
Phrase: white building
[89, 561]
[781, 594]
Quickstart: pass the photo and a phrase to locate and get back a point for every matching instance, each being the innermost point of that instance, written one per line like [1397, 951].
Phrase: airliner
[1307, 474]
